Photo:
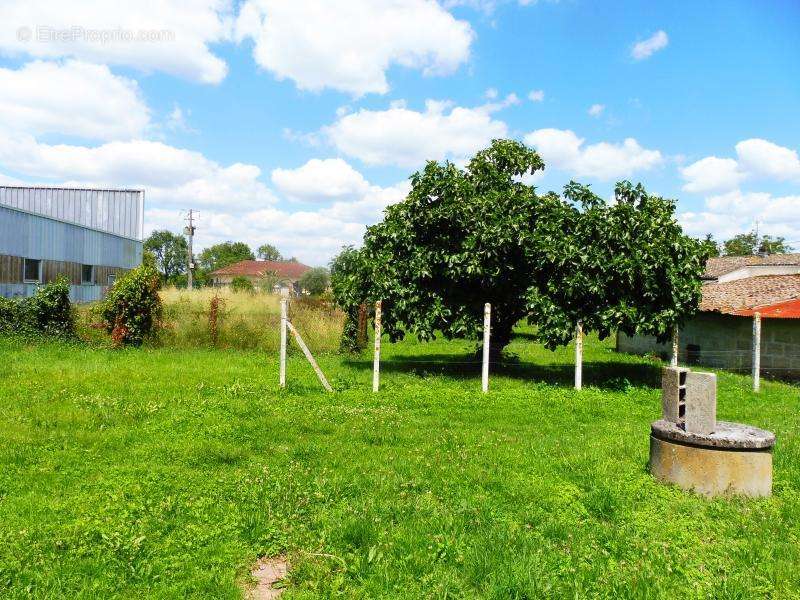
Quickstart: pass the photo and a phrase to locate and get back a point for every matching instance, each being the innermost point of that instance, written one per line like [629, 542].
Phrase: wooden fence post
[756, 352]
[579, 356]
[284, 320]
[376, 361]
[309, 357]
[673, 359]
[487, 328]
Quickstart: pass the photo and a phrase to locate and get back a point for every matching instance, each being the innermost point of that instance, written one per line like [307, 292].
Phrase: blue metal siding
[77, 293]
[31, 236]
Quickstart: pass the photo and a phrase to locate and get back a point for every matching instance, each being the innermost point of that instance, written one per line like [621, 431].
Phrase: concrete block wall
[725, 342]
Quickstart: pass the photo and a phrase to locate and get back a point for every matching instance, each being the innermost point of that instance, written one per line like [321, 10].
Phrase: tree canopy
[224, 254]
[745, 244]
[480, 234]
[170, 252]
[315, 281]
[268, 252]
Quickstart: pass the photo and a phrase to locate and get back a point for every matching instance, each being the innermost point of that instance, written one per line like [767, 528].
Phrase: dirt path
[267, 572]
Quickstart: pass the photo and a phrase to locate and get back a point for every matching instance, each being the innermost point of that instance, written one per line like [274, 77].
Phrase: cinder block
[673, 393]
[701, 403]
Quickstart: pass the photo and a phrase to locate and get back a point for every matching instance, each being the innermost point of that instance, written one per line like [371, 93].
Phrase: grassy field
[165, 473]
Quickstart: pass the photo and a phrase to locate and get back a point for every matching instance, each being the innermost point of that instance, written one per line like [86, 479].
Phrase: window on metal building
[87, 274]
[31, 270]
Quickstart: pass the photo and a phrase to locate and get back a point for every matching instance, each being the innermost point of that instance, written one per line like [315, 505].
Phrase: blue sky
[297, 123]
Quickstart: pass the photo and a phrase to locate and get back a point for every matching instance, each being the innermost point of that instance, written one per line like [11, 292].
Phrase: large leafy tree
[461, 238]
[745, 244]
[224, 254]
[170, 252]
[464, 237]
[622, 266]
[268, 252]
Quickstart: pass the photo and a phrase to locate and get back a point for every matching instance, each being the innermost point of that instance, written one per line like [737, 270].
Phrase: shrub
[49, 311]
[132, 309]
[242, 284]
[12, 316]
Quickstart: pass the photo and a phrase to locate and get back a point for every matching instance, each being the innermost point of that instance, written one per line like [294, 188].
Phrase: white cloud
[726, 215]
[320, 180]
[407, 138]
[349, 45]
[712, 174]
[595, 110]
[171, 176]
[172, 36]
[234, 203]
[646, 48]
[763, 158]
[562, 149]
[71, 98]
[310, 236]
[177, 120]
[369, 208]
[756, 158]
[536, 95]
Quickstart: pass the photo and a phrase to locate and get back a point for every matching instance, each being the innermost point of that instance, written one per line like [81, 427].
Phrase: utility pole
[189, 231]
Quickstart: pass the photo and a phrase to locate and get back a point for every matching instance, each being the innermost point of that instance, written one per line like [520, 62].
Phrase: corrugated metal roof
[119, 212]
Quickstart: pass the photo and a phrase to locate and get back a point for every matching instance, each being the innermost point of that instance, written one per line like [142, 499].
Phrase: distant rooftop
[260, 268]
[721, 265]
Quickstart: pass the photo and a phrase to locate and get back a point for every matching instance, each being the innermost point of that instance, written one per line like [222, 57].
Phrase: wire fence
[740, 360]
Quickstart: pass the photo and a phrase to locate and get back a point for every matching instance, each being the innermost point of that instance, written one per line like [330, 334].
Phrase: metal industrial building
[89, 235]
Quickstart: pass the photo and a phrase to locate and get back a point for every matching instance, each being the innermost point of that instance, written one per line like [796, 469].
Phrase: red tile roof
[734, 297]
[260, 268]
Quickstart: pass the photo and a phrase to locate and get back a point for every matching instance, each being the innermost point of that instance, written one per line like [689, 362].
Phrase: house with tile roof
[284, 275]
[721, 334]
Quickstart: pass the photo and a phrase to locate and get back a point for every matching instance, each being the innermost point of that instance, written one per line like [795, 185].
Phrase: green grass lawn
[166, 473]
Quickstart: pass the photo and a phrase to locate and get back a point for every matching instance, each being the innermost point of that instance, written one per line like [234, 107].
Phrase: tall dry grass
[247, 321]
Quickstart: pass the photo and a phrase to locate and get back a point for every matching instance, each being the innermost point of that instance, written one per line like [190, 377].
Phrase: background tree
[746, 244]
[224, 254]
[711, 245]
[170, 252]
[315, 281]
[268, 252]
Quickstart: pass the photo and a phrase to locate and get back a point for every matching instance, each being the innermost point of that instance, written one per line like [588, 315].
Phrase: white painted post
[673, 359]
[487, 328]
[756, 352]
[284, 320]
[579, 356]
[376, 361]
